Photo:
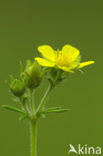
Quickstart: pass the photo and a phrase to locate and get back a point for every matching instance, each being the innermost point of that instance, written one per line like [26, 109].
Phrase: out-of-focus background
[24, 25]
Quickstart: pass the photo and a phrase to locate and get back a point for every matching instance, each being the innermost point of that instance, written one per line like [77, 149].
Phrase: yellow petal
[70, 52]
[66, 69]
[72, 66]
[83, 64]
[44, 62]
[47, 52]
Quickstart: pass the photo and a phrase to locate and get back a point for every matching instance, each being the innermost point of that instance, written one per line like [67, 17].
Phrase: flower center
[62, 60]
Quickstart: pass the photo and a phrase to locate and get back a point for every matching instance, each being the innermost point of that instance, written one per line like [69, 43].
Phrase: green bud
[33, 75]
[17, 87]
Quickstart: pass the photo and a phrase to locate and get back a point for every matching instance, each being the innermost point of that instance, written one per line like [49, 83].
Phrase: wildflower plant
[55, 66]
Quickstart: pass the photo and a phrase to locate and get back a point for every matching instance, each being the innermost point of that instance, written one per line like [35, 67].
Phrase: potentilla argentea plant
[55, 66]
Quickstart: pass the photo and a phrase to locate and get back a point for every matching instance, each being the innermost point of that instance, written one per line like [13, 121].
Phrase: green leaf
[54, 110]
[23, 117]
[14, 109]
[43, 116]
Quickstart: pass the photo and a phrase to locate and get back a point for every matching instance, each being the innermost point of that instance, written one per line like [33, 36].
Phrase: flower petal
[72, 66]
[44, 62]
[70, 52]
[83, 64]
[65, 69]
[75, 63]
[47, 52]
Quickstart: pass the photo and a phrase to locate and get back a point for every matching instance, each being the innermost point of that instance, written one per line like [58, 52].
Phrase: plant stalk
[33, 138]
[43, 100]
[32, 100]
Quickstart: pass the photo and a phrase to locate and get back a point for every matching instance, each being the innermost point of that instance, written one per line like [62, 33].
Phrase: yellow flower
[67, 59]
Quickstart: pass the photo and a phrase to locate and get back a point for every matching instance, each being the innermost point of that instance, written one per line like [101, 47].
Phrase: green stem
[25, 107]
[43, 100]
[31, 101]
[23, 104]
[33, 138]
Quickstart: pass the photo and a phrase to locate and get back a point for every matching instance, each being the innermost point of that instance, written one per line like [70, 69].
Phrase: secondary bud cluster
[30, 78]
[33, 75]
[17, 87]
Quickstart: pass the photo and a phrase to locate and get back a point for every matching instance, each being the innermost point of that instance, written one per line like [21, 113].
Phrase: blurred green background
[23, 26]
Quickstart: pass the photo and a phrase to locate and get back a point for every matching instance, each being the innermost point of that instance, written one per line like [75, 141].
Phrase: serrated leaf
[14, 109]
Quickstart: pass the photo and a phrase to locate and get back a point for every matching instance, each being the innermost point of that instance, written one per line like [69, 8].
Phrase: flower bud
[17, 87]
[34, 76]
